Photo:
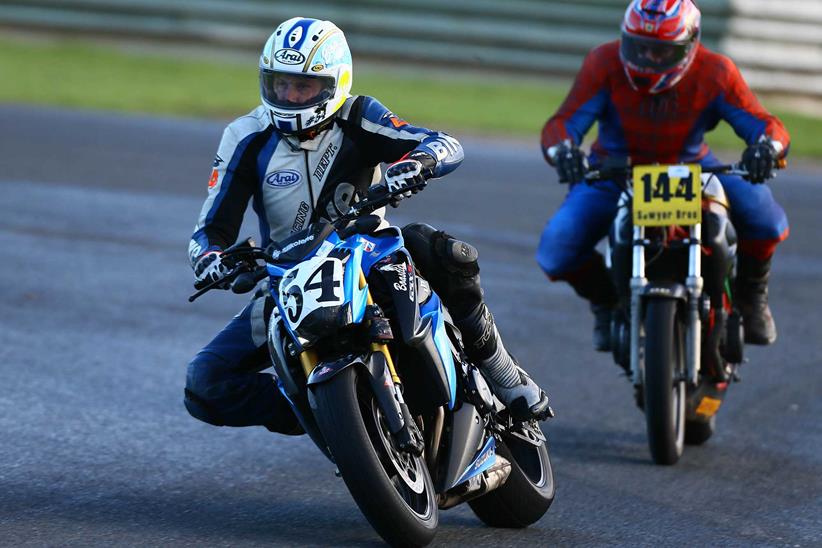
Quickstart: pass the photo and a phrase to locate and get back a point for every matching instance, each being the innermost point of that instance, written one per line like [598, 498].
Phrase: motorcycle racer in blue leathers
[307, 153]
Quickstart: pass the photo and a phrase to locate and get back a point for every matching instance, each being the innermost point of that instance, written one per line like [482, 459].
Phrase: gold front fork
[380, 347]
[308, 358]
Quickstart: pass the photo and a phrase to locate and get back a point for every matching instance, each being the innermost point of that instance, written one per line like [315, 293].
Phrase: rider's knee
[201, 380]
[555, 257]
[437, 248]
[456, 256]
[450, 266]
[418, 238]
[557, 266]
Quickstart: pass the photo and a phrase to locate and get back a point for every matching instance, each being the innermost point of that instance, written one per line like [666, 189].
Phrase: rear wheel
[527, 493]
[698, 432]
[392, 488]
[664, 381]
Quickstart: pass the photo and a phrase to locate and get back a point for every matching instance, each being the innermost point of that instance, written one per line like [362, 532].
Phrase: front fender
[325, 371]
[661, 290]
[379, 377]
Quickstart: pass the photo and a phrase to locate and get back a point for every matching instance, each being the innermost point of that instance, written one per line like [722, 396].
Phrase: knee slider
[457, 256]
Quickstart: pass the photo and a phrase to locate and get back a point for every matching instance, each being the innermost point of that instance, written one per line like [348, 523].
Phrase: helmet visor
[295, 91]
[657, 56]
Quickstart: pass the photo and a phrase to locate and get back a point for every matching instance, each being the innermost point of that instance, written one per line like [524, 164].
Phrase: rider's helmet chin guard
[659, 41]
[305, 74]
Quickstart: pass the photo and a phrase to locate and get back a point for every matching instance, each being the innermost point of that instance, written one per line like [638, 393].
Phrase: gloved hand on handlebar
[210, 268]
[759, 160]
[569, 161]
[413, 170]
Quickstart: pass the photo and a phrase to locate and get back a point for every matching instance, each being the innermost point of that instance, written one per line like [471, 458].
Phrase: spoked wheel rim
[406, 472]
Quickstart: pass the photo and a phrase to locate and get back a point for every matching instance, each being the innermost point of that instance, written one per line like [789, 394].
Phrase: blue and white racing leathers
[290, 184]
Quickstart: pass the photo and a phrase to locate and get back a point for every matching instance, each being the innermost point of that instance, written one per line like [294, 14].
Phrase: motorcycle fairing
[358, 253]
[394, 279]
[482, 462]
[294, 392]
[432, 311]
[384, 243]
[465, 440]
[305, 418]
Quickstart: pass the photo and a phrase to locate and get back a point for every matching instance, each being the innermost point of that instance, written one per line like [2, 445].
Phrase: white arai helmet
[305, 74]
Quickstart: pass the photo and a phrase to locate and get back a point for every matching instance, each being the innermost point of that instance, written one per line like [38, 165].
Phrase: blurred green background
[465, 66]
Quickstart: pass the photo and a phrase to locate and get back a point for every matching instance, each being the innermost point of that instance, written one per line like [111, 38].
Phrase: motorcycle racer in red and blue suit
[655, 93]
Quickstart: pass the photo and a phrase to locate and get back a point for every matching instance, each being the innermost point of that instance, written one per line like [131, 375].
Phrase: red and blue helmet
[659, 42]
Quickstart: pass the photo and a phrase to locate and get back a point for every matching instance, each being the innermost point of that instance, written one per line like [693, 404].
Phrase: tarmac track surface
[95, 334]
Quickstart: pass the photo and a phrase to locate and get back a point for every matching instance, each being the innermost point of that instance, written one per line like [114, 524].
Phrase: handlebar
[622, 172]
[378, 196]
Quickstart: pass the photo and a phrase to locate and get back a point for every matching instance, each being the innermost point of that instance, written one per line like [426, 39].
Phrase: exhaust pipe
[477, 486]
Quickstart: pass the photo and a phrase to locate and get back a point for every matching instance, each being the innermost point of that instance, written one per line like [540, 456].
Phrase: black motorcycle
[374, 369]
[676, 332]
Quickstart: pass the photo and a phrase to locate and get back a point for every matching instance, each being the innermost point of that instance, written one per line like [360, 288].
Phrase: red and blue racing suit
[668, 127]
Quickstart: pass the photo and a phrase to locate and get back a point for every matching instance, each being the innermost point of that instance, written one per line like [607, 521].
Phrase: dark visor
[654, 55]
[288, 90]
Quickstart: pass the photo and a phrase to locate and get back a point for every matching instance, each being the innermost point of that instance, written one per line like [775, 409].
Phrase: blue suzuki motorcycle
[374, 368]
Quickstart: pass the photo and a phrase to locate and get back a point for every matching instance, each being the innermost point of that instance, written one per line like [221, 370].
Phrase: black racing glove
[759, 160]
[570, 162]
[413, 170]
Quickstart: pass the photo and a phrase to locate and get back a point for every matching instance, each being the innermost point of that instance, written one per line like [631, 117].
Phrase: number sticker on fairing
[667, 195]
[315, 283]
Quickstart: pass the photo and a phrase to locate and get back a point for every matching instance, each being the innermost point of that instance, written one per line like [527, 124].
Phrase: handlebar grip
[243, 283]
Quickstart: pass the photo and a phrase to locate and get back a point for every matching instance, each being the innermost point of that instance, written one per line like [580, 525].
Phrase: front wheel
[527, 493]
[664, 381]
[392, 488]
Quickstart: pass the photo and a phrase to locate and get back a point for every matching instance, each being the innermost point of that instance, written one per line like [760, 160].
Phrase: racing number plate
[667, 195]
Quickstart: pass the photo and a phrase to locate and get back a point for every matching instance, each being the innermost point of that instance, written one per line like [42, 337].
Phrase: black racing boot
[752, 299]
[520, 394]
[593, 283]
[602, 326]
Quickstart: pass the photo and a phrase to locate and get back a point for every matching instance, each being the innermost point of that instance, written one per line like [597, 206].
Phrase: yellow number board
[667, 195]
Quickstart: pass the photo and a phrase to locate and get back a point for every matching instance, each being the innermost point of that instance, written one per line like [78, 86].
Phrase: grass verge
[84, 75]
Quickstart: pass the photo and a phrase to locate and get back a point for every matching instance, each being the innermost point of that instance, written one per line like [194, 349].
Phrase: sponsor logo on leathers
[277, 252]
[283, 178]
[212, 181]
[299, 220]
[325, 160]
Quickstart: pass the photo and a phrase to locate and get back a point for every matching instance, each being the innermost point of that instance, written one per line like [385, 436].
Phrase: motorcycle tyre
[518, 502]
[341, 422]
[664, 354]
[698, 432]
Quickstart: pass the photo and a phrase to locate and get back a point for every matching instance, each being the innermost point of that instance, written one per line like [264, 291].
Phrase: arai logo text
[289, 57]
[283, 178]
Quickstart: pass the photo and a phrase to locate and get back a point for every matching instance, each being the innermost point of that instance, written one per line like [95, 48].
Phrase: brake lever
[228, 278]
[204, 290]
